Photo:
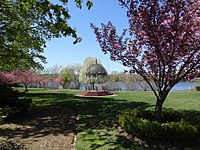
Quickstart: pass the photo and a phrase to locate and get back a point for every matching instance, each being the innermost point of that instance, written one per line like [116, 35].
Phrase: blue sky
[63, 52]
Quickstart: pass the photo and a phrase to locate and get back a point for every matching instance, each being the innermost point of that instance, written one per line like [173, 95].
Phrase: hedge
[141, 124]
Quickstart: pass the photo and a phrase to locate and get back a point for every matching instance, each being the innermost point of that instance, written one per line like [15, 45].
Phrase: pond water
[185, 86]
[122, 86]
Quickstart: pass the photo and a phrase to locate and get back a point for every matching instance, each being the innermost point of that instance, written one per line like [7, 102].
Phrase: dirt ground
[43, 128]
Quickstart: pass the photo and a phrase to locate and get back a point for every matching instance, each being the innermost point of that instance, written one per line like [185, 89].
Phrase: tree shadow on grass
[48, 98]
[94, 114]
[99, 113]
[103, 113]
[97, 117]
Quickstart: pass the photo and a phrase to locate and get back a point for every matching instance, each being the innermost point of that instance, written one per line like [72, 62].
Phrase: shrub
[181, 131]
[137, 122]
[198, 88]
[2, 116]
[12, 103]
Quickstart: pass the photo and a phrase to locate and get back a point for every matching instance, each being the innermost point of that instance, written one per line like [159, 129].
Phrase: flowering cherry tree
[58, 81]
[43, 82]
[7, 78]
[23, 77]
[26, 77]
[162, 43]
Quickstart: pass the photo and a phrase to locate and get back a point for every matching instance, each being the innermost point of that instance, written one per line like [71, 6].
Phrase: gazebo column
[92, 86]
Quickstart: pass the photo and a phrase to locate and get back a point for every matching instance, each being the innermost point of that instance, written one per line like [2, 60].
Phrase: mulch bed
[42, 128]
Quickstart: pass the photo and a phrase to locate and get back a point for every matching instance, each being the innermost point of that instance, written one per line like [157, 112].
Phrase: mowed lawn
[97, 117]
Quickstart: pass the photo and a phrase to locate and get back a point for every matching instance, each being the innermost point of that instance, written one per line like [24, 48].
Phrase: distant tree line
[68, 77]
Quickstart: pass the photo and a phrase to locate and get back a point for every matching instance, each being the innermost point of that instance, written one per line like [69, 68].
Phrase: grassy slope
[98, 116]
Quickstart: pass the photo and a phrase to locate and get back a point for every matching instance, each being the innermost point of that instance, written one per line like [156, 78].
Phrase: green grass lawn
[97, 117]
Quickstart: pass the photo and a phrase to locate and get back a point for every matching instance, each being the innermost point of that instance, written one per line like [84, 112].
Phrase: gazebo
[96, 73]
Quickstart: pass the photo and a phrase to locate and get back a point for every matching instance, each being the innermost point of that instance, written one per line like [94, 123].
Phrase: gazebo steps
[96, 93]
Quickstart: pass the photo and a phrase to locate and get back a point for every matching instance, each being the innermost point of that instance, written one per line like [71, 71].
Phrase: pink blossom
[58, 81]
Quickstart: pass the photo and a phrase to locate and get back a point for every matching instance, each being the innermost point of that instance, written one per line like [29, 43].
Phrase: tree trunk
[159, 105]
[26, 87]
[158, 109]
[92, 86]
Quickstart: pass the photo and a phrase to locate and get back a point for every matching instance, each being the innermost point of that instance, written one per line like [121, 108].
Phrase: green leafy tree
[114, 76]
[67, 75]
[26, 25]
[76, 68]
